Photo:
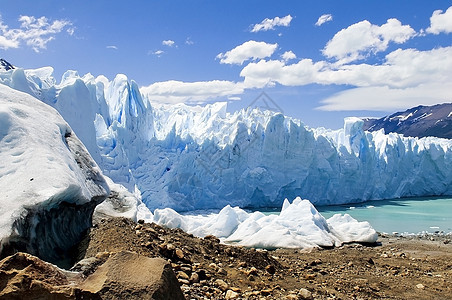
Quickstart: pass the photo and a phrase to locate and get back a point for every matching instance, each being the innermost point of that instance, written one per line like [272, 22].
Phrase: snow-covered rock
[191, 157]
[49, 184]
[298, 225]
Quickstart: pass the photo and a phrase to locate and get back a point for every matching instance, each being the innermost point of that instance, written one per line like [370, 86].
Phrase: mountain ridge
[420, 121]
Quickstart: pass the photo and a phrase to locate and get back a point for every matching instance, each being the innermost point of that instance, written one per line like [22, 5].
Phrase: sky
[318, 61]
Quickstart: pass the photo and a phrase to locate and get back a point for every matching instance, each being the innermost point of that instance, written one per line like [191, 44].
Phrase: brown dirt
[395, 268]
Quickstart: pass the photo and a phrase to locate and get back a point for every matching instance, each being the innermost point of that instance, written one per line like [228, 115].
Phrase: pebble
[420, 286]
[222, 271]
[222, 285]
[179, 253]
[252, 271]
[194, 278]
[182, 275]
[230, 294]
[305, 294]
[270, 269]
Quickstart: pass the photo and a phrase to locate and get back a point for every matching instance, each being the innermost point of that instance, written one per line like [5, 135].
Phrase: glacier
[49, 184]
[191, 157]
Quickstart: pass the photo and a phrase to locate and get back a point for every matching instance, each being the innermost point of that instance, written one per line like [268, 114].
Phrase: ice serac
[191, 157]
[49, 183]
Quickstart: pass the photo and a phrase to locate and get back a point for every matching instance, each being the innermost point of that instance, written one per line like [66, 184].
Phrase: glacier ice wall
[49, 184]
[189, 157]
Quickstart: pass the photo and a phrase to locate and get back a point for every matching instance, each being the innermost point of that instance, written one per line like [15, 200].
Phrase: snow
[298, 225]
[42, 166]
[191, 157]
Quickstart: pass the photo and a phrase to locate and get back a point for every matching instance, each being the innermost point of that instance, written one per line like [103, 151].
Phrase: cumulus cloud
[441, 22]
[358, 40]
[34, 32]
[268, 73]
[246, 51]
[171, 92]
[404, 72]
[112, 47]
[288, 55]
[323, 19]
[270, 24]
[169, 43]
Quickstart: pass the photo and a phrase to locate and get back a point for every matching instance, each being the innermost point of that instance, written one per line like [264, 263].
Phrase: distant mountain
[420, 121]
[4, 65]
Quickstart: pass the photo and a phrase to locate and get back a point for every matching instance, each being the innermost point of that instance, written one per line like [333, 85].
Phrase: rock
[305, 294]
[222, 271]
[270, 269]
[194, 278]
[24, 276]
[202, 274]
[182, 275]
[266, 292]
[179, 254]
[212, 238]
[222, 285]
[252, 271]
[230, 294]
[128, 275]
[420, 286]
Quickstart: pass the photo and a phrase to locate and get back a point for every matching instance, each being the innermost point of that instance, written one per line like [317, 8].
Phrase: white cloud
[157, 52]
[34, 32]
[384, 98]
[358, 40]
[169, 43]
[265, 73]
[323, 19]
[270, 24]
[172, 91]
[441, 22]
[288, 55]
[246, 51]
[404, 73]
[188, 41]
[112, 47]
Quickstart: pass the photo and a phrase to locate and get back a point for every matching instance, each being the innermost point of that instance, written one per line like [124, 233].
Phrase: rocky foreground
[117, 260]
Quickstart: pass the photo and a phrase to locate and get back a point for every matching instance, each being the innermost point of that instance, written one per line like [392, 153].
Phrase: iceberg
[298, 225]
[191, 157]
[49, 183]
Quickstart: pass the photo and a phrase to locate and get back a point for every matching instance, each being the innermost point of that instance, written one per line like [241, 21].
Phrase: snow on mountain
[49, 184]
[420, 121]
[4, 65]
[191, 157]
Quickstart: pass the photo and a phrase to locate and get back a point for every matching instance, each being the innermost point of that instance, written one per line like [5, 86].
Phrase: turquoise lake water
[409, 215]
[412, 215]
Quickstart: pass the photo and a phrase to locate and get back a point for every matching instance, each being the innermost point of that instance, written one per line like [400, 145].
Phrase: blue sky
[319, 61]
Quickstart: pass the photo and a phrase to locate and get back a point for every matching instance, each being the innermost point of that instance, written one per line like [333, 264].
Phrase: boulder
[128, 275]
[124, 275]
